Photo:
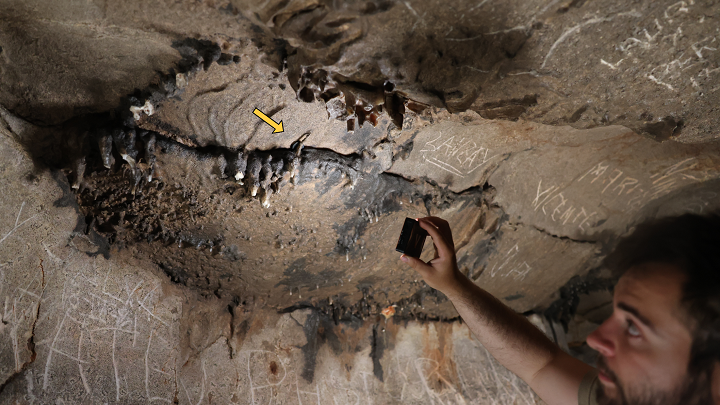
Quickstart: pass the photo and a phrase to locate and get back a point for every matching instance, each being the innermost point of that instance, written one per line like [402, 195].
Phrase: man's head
[661, 345]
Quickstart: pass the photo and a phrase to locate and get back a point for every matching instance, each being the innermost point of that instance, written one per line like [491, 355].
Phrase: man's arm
[516, 343]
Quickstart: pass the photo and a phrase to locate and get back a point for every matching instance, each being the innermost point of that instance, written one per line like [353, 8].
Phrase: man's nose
[603, 339]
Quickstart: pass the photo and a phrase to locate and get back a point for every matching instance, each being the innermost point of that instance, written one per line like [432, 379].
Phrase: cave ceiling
[541, 130]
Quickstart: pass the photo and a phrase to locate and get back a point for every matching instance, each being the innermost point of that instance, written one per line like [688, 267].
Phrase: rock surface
[159, 243]
[650, 66]
[80, 327]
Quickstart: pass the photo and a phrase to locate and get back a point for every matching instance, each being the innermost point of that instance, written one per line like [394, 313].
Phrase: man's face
[644, 348]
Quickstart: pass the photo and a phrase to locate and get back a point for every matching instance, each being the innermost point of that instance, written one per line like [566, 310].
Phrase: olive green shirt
[588, 389]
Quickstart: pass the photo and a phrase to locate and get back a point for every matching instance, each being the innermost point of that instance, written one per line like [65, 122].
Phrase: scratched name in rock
[690, 59]
[609, 187]
[459, 156]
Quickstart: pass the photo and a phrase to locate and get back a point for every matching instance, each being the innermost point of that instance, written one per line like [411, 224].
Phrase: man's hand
[518, 345]
[441, 273]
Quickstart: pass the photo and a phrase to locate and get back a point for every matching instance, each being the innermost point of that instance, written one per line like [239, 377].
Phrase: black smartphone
[412, 238]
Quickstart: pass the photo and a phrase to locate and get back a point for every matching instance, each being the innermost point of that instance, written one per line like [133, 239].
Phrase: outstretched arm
[516, 343]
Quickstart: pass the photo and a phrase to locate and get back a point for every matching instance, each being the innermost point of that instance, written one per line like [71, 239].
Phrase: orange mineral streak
[352, 340]
[388, 312]
[440, 371]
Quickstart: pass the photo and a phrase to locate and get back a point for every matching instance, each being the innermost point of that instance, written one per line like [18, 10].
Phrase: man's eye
[632, 329]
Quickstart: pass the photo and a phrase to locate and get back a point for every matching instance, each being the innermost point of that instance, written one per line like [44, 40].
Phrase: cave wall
[160, 243]
[84, 324]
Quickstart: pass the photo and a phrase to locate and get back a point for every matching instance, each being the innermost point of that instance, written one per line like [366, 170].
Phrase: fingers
[438, 222]
[442, 226]
[442, 244]
[416, 264]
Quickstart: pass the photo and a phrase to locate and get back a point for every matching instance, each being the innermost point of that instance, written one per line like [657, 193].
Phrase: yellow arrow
[278, 126]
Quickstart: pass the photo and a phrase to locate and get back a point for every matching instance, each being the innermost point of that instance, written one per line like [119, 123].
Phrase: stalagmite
[240, 166]
[150, 155]
[105, 142]
[266, 175]
[125, 144]
[222, 166]
[277, 169]
[267, 192]
[79, 172]
[254, 166]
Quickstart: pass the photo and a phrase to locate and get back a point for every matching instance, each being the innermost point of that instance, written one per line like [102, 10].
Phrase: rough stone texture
[643, 65]
[213, 110]
[651, 66]
[604, 179]
[198, 228]
[462, 151]
[36, 218]
[377, 363]
[521, 265]
[546, 61]
[108, 330]
[159, 243]
[58, 62]
[605, 186]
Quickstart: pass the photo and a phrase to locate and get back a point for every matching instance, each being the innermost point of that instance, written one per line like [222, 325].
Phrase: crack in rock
[561, 237]
[31, 339]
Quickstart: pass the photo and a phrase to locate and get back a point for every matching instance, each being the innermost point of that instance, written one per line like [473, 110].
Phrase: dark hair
[691, 243]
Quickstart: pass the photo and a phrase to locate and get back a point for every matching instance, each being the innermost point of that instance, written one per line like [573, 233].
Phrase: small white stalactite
[266, 200]
[129, 159]
[147, 108]
[180, 80]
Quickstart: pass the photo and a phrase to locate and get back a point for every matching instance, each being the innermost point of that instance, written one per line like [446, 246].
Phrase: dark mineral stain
[403, 151]
[241, 330]
[510, 109]
[297, 276]
[327, 166]
[98, 240]
[273, 368]
[177, 275]
[513, 297]
[233, 253]
[196, 53]
[563, 309]
[320, 329]
[306, 95]
[368, 282]
[310, 349]
[31, 177]
[84, 225]
[663, 129]
[230, 9]
[348, 234]
[377, 348]
[225, 59]
[68, 198]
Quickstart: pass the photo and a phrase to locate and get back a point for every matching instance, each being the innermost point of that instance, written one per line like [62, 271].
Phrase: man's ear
[715, 384]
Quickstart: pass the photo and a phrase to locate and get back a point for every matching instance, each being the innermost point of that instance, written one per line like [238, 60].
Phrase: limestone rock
[601, 186]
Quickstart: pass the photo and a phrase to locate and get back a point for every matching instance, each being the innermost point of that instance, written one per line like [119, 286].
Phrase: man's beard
[693, 390]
